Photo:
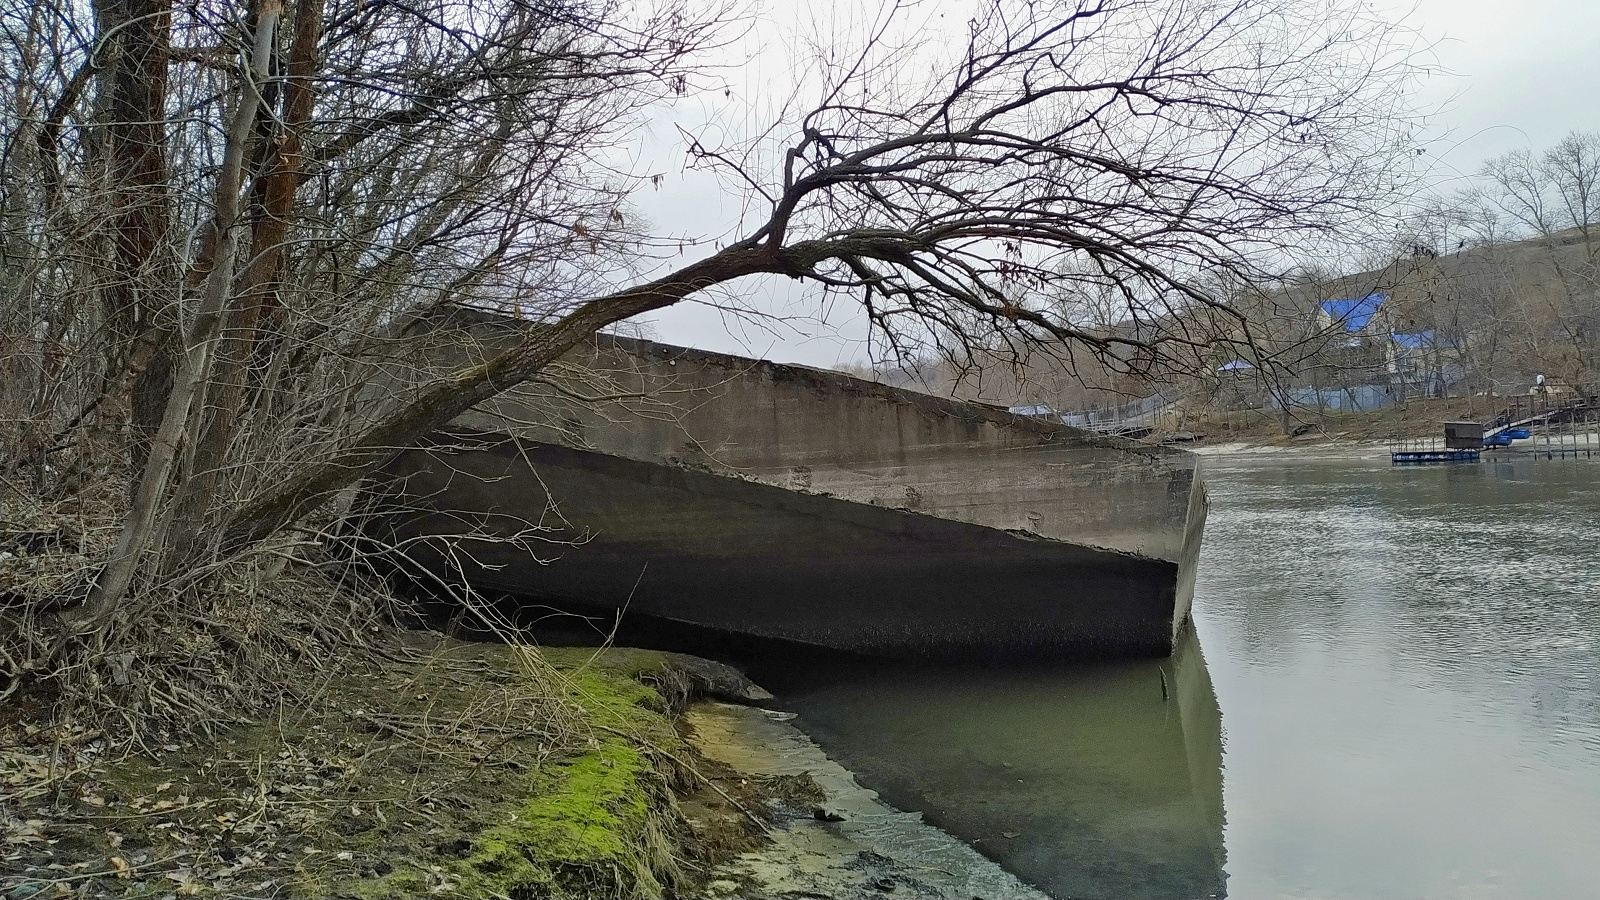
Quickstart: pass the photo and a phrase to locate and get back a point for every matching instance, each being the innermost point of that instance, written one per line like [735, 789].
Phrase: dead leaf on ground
[187, 885]
[29, 832]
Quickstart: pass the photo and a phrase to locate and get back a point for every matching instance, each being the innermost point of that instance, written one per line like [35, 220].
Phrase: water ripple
[1412, 654]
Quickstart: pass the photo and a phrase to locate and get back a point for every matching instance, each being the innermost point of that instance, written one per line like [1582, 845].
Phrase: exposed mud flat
[850, 845]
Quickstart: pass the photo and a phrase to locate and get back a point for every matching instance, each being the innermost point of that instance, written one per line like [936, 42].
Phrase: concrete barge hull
[797, 504]
[746, 558]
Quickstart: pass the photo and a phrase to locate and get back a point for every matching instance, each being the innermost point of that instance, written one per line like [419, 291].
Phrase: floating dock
[1566, 426]
[1417, 457]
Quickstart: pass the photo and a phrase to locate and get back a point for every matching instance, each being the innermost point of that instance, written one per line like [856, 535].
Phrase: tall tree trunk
[136, 38]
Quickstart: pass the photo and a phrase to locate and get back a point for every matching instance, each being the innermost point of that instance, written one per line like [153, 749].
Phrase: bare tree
[238, 202]
[1554, 198]
[362, 163]
[1572, 168]
[1139, 143]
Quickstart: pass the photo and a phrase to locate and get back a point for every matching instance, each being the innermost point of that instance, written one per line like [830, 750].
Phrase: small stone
[824, 814]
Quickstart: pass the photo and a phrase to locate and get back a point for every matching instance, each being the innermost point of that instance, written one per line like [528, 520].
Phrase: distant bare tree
[1555, 198]
[1572, 167]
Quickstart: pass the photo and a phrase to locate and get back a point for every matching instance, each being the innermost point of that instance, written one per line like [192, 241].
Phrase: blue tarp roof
[1237, 365]
[1354, 313]
[1031, 411]
[1416, 340]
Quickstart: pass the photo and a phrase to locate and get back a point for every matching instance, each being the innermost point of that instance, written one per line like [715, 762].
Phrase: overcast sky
[1523, 73]
[1513, 74]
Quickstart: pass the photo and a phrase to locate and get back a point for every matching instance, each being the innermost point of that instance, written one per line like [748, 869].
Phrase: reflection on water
[1408, 666]
[1114, 768]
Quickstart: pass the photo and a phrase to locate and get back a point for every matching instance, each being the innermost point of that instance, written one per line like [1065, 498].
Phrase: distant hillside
[1499, 312]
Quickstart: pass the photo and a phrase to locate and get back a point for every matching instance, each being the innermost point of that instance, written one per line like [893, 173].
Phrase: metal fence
[1356, 398]
[1143, 411]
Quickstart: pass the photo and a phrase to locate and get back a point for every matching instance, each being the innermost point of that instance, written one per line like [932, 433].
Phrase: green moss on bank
[598, 821]
[458, 770]
[586, 831]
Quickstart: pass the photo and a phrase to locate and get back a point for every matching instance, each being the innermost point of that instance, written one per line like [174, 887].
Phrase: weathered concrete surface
[804, 505]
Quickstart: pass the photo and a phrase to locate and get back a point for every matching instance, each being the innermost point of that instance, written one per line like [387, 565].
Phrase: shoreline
[1352, 449]
[468, 770]
[1361, 448]
[850, 845]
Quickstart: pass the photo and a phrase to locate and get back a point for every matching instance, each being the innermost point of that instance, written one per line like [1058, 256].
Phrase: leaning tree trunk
[539, 347]
[278, 135]
[455, 394]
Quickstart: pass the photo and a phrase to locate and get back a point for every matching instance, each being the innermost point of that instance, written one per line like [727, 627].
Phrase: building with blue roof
[1416, 340]
[1352, 314]
[1413, 358]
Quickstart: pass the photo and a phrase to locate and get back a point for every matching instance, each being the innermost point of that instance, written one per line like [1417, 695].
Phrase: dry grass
[438, 768]
[189, 654]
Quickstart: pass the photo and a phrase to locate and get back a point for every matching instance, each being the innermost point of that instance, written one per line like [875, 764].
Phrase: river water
[1394, 692]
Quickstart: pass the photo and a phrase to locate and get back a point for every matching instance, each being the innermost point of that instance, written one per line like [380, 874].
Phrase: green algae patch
[591, 825]
[596, 820]
[590, 830]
